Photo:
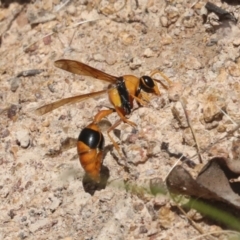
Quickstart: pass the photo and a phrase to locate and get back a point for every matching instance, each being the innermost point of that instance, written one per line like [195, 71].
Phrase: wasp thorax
[147, 84]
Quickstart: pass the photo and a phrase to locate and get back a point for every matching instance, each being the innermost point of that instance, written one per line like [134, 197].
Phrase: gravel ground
[42, 189]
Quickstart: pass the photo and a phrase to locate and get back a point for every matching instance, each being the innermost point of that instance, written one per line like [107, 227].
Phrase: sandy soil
[41, 185]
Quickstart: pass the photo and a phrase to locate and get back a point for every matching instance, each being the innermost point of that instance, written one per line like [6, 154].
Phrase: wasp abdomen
[92, 138]
[90, 150]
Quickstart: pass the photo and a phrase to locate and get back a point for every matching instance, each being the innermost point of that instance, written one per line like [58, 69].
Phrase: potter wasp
[122, 91]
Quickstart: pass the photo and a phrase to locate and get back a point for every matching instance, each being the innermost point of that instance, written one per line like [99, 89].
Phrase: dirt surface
[41, 180]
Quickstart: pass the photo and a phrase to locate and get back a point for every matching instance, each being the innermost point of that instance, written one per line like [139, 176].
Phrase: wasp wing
[51, 106]
[83, 69]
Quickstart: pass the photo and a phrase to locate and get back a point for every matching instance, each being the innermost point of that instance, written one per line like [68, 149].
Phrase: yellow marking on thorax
[114, 97]
[131, 83]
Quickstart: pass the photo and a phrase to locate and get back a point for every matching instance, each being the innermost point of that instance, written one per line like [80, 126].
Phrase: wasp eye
[148, 82]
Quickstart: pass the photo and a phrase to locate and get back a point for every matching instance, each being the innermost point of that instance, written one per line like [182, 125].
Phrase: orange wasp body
[121, 93]
[90, 146]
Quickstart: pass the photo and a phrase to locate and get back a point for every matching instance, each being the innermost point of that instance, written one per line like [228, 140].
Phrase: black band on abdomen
[91, 138]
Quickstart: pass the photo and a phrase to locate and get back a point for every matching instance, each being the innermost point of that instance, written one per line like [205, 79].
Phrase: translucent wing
[51, 106]
[83, 69]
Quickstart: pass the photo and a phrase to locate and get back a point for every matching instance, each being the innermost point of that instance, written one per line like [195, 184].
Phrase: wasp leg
[112, 140]
[138, 99]
[156, 71]
[124, 119]
[102, 114]
[145, 96]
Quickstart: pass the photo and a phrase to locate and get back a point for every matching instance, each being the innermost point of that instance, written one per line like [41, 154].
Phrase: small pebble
[148, 53]
[15, 82]
[4, 133]
[135, 63]
[164, 21]
[236, 42]
[172, 13]
[23, 138]
[71, 9]
[39, 225]
[99, 57]
[192, 63]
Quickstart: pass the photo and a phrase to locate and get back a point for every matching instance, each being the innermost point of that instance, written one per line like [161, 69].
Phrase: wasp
[90, 146]
[122, 91]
